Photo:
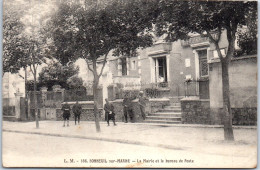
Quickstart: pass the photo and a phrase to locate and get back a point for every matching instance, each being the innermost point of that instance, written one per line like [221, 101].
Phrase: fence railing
[158, 90]
[80, 95]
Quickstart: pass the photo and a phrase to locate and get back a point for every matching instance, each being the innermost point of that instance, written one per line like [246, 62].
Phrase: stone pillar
[44, 94]
[119, 67]
[44, 97]
[58, 89]
[168, 67]
[18, 96]
[127, 65]
[197, 69]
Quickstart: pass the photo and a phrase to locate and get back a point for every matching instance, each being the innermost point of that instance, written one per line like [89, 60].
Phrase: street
[21, 149]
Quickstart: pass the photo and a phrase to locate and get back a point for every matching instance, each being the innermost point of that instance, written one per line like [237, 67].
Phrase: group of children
[76, 109]
[108, 108]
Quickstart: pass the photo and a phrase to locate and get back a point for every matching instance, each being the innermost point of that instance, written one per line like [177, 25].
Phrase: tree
[65, 76]
[24, 41]
[95, 28]
[179, 18]
[37, 42]
[14, 43]
[247, 35]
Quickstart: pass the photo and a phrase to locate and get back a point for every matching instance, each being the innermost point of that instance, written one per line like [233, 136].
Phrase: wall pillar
[152, 66]
[119, 67]
[44, 97]
[57, 89]
[168, 67]
[197, 69]
[18, 96]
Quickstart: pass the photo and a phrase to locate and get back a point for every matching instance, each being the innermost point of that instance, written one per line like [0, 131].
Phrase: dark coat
[127, 103]
[66, 110]
[77, 109]
[109, 108]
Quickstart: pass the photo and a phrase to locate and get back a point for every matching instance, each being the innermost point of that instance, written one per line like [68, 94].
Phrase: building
[187, 71]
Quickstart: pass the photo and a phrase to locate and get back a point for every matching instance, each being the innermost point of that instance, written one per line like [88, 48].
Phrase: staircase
[168, 115]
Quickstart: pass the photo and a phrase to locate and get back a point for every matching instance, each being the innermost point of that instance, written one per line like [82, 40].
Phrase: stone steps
[175, 104]
[172, 107]
[168, 115]
[163, 118]
[9, 118]
[170, 110]
[162, 121]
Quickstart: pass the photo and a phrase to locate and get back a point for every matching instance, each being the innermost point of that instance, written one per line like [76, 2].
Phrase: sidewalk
[193, 137]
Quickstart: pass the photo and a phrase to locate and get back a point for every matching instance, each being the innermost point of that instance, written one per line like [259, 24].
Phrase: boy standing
[77, 109]
[66, 113]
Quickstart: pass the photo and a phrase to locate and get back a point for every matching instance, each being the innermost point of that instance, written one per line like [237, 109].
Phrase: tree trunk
[95, 93]
[228, 131]
[26, 95]
[35, 100]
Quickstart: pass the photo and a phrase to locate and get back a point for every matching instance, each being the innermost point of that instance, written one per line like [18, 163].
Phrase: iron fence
[157, 90]
[80, 95]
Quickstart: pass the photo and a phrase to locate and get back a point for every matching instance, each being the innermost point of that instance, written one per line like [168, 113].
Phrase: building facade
[185, 70]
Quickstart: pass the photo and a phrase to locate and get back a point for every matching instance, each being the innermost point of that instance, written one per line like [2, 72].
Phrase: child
[66, 113]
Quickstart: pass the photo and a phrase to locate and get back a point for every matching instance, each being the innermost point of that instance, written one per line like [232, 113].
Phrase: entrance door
[204, 74]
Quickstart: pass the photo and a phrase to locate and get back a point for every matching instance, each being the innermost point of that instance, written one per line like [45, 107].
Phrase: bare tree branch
[31, 69]
[219, 34]
[104, 63]
[216, 44]
[88, 64]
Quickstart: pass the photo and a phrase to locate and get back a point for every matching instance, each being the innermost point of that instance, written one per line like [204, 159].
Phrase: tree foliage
[57, 74]
[91, 32]
[247, 35]
[80, 32]
[179, 18]
[14, 43]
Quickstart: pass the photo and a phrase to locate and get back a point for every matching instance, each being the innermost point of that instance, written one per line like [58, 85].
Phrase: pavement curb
[170, 125]
[187, 125]
[123, 141]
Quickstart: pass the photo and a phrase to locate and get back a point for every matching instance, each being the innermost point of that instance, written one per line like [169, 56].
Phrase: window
[160, 69]
[203, 63]
[124, 66]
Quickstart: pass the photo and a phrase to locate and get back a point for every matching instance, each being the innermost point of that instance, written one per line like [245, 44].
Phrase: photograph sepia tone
[129, 84]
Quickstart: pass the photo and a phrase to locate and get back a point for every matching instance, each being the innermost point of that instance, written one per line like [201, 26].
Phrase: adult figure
[127, 106]
[142, 103]
[131, 108]
[77, 110]
[109, 112]
[66, 113]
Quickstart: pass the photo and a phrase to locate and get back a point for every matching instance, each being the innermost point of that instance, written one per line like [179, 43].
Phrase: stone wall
[196, 112]
[199, 112]
[120, 113]
[87, 111]
[151, 107]
[87, 115]
[244, 116]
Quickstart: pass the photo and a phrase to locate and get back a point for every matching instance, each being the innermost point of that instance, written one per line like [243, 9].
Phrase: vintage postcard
[129, 84]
